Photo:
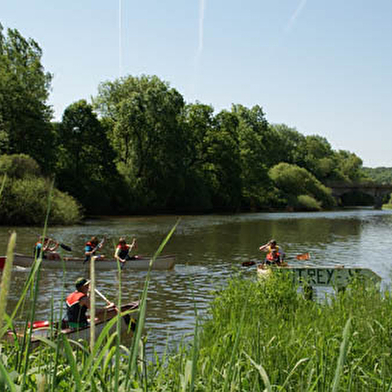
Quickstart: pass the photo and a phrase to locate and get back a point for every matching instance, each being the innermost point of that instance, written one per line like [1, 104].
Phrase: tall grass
[265, 336]
[256, 336]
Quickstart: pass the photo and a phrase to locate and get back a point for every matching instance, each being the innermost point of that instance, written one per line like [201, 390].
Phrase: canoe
[43, 329]
[141, 263]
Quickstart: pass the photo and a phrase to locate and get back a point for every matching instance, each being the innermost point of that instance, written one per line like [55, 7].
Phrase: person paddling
[48, 248]
[78, 303]
[123, 249]
[92, 247]
[275, 254]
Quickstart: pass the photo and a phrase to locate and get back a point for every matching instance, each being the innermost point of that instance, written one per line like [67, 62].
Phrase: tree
[350, 166]
[290, 144]
[257, 143]
[198, 122]
[85, 165]
[24, 90]
[222, 162]
[150, 144]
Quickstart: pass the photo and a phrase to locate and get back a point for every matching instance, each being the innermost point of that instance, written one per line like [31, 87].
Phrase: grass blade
[342, 356]
[6, 279]
[7, 378]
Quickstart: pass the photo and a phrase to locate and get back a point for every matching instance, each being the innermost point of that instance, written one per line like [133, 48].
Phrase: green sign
[334, 276]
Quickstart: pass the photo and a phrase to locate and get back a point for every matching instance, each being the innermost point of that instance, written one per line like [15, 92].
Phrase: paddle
[66, 247]
[303, 256]
[105, 299]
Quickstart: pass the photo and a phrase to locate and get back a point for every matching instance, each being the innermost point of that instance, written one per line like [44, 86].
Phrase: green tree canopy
[151, 146]
[258, 151]
[24, 90]
[85, 164]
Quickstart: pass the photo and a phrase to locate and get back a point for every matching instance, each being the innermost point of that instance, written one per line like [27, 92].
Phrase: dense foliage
[140, 148]
[25, 195]
[24, 89]
[381, 175]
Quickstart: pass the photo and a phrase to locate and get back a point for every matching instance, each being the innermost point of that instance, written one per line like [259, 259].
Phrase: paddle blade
[2, 262]
[66, 247]
[39, 324]
[304, 256]
[248, 263]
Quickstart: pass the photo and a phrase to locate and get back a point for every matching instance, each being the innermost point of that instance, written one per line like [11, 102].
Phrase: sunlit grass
[256, 336]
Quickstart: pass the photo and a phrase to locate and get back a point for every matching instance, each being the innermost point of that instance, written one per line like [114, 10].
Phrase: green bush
[19, 166]
[25, 202]
[24, 196]
[308, 203]
[295, 181]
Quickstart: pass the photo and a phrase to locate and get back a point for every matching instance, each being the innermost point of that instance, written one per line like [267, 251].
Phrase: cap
[81, 282]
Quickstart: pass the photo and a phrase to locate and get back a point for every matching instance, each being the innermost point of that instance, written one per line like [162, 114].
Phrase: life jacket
[273, 256]
[123, 250]
[37, 249]
[89, 245]
[75, 312]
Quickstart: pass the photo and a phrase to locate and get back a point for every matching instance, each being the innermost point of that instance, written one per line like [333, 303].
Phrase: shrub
[296, 181]
[19, 166]
[25, 201]
[308, 203]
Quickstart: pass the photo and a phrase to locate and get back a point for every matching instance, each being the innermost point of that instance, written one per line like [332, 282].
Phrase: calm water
[208, 249]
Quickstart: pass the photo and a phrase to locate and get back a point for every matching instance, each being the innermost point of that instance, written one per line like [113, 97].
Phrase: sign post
[334, 276]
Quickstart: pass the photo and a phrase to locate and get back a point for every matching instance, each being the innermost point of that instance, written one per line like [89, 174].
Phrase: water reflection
[209, 249]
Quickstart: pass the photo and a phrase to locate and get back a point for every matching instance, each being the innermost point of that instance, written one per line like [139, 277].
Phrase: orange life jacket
[273, 256]
[74, 298]
[75, 312]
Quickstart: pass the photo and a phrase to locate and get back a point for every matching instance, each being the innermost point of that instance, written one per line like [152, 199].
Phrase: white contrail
[201, 25]
[295, 15]
[202, 7]
[119, 38]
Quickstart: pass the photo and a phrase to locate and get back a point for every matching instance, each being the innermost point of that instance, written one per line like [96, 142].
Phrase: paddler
[275, 254]
[78, 303]
[92, 247]
[48, 247]
[123, 250]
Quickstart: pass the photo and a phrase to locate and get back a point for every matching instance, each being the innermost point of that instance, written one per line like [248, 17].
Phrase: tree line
[138, 147]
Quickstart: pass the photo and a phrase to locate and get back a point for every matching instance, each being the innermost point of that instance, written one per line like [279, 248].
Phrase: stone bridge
[378, 191]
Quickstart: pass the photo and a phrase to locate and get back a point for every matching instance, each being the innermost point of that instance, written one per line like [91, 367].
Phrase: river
[208, 249]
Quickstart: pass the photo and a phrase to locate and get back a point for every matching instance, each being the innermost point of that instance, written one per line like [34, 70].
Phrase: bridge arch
[377, 191]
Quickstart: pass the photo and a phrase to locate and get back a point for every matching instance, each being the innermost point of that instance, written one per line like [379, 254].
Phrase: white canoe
[43, 328]
[141, 263]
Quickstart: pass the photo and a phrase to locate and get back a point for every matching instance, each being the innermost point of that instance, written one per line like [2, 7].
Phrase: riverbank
[255, 336]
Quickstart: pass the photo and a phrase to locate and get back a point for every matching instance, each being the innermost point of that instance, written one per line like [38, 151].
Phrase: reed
[3, 184]
[255, 336]
[6, 279]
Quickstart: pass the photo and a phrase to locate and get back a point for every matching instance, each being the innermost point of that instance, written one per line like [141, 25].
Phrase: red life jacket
[74, 298]
[75, 312]
[123, 250]
[123, 246]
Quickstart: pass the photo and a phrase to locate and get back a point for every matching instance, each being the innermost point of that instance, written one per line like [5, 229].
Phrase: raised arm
[265, 247]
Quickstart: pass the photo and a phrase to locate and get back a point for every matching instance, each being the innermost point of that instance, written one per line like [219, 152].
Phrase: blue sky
[323, 67]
